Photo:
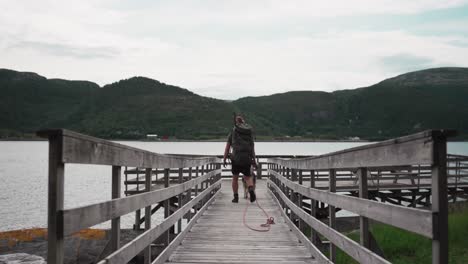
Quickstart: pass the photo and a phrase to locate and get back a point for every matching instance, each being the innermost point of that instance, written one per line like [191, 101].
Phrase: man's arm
[226, 152]
[254, 158]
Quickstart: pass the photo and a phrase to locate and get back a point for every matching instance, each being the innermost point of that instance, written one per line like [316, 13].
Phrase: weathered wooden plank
[86, 216]
[220, 236]
[131, 249]
[353, 249]
[410, 150]
[79, 148]
[411, 219]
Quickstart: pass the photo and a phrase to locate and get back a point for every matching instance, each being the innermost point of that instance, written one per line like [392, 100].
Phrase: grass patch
[403, 247]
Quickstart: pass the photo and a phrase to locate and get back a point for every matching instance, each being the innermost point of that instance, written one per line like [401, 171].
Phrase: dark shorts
[236, 169]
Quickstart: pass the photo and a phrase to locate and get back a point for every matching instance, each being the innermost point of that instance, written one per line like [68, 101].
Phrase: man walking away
[242, 156]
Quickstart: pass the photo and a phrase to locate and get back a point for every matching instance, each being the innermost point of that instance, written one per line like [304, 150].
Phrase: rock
[21, 258]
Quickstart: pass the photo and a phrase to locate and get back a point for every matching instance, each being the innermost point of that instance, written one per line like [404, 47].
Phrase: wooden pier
[405, 182]
[221, 237]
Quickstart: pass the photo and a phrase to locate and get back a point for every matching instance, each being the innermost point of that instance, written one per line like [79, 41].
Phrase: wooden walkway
[219, 236]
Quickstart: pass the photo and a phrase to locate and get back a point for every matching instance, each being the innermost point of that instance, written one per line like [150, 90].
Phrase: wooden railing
[423, 149]
[135, 177]
[70, 147]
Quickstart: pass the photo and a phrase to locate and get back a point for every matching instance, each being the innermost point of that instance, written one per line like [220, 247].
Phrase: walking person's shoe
[253, 197]
[236, 198]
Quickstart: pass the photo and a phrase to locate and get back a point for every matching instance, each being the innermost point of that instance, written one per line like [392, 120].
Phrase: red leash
[270, 220]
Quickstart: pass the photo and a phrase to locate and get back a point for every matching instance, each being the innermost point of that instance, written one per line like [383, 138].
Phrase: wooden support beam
[55, 241]
[293, 195]
[299, 201]
[313, 210]
[189, 194]
[363, 221]
[196, 189]
[167, 238]
[440, 202]
[332, 212]
[147, 251]
[115, 222]
[180, 201]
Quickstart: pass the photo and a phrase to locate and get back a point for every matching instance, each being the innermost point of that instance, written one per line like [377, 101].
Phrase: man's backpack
[242, 145]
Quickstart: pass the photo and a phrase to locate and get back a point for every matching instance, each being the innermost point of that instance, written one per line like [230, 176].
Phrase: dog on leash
[244, 183]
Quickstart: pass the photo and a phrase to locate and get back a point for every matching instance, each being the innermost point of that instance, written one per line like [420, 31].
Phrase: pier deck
[219, 236]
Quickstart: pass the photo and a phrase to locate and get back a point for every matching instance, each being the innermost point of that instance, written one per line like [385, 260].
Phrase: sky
[229, 49]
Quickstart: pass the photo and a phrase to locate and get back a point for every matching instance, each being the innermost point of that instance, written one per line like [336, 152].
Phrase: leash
[270, 220]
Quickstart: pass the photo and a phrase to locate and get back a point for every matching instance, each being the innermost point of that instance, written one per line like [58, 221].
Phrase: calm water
[23, 174]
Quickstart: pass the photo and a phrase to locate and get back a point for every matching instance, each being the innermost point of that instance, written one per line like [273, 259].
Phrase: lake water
[23, 175]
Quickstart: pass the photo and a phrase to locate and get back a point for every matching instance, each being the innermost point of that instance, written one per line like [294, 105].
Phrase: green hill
[132, 108]
[434, 98]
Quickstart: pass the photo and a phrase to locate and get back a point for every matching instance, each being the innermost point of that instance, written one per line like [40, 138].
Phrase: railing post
[286, 190]
[293, 194]
[115, 223]
[439, 202]
[180, 201]
[137, 212]
[196, 191]
[313, 210]
[203, 184]
[189, 194]
[259, 170]
[167, 238]
[363, 221]
[147, 251]
[299, 203]
[55, 251]
[331, 211]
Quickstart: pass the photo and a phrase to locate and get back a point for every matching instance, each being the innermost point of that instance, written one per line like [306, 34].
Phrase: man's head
[239, 119]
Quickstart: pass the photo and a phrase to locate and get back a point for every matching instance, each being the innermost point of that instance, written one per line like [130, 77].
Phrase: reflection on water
[23, 173]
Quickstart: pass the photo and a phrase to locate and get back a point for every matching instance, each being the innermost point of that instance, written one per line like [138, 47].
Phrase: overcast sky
[234, 48]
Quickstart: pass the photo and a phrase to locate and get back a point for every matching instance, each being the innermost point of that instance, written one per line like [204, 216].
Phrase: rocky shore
[84, 247]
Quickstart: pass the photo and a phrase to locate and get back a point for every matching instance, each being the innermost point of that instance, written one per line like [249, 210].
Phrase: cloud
[406, 62]
[230, 49]
[66, 50]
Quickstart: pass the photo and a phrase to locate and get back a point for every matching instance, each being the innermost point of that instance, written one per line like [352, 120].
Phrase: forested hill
[132, 108]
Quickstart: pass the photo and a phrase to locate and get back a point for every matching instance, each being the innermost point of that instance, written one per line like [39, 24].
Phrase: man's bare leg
[235, 188]
[249, 181]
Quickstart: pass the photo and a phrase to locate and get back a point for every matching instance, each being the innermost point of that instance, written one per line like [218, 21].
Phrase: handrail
[415, 220]
[70, 147]
[427, 148]
[79, 218]
[395, 152]
[79, 148]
